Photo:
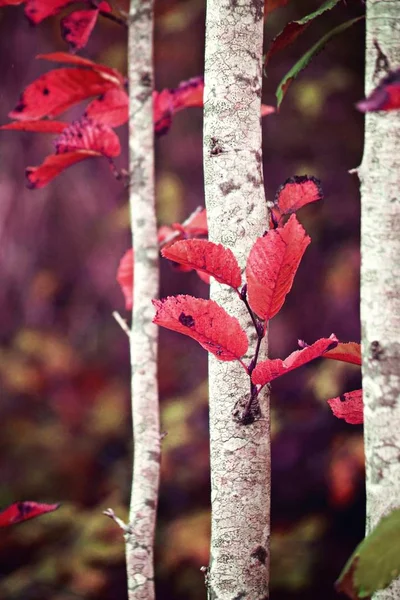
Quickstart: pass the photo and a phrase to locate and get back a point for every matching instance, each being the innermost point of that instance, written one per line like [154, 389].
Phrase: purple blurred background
[65, 432]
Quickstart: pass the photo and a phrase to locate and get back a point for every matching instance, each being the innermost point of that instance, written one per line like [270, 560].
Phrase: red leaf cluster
[22, 511]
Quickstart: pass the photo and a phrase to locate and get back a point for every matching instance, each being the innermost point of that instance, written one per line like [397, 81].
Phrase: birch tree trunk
[143, 339]
[380, 274]
[237, 215]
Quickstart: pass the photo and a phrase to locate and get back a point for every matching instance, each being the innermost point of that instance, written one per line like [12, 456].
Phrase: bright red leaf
[37, 10]
[349, 352]
[56, 91]
[77, 27]
[108, 73]
[55, 164]
[125, 278]
[10, 2]
[270, 369]
[22, 511]
[111, 108]
[384, 97]
[272, 265]
[204, 321]
[295, 193]
[36, 126]
[202, 255]
[349, 407]
[197, 225]
[86, 134]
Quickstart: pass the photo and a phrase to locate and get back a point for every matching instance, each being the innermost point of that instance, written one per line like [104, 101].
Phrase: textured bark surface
[143, 340]
[380, 273]
[237, 215]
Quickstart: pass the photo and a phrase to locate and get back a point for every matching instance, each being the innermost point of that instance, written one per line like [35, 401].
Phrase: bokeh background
[65, 424]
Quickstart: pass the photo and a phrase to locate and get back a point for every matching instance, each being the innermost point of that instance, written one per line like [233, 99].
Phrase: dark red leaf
[37, 10]
[56, 91]
[349, 352]
[384, 97]
[202, 255]
[349, 407]
[108, 73]
[125, 278]
[54, 164]
[36, 126]
[22, 511]
[77, 27]
[271, 5]
[10, 2]
[295, 193]
[272, 265]
[111, 108]
[269, 369]
[204, 321]
[86, 134]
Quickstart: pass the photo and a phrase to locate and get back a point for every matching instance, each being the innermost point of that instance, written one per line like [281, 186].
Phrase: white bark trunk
[237, 215]
[380, 286]
[143, 339]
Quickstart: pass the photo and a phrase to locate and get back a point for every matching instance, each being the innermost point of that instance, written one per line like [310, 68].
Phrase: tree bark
[144, 335]
[380, 278]
[237, 215]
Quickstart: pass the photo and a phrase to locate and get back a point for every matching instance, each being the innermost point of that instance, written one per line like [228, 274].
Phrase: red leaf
[269, 369]
[10, 2]
[188, 94]
[37, 10]
[125, 278]
[295, 193]
[384, 97]
[270, 5]
[214, 259]
[272, 265]
[349, 352]
[56, 91]
[22, 511]
[198, 225]
[204, 321]
[77, 27]
[36, 126]
[108, 73]
[349, 407]
[89, 135]
[162, 110]
[266, 110]
[54, 164]
[111, 108]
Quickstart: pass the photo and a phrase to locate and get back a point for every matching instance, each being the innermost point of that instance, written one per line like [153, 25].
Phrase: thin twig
[122, 323]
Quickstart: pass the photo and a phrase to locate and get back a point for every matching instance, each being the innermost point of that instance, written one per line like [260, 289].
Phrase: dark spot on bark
[228, 187]
[153, 455]
[145, 79]
[257, 9]
[150, 503]
[215, 147]
[256, 182]
[260, 554]
[240, 596]
[46, 91]
[186, 320]
[376, 350]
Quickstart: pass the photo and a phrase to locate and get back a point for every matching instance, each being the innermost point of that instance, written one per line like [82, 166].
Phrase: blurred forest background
[65, 423]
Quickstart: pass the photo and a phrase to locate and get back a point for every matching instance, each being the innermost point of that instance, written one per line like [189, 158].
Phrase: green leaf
[375, 562]
[292, 30]
[306, 58]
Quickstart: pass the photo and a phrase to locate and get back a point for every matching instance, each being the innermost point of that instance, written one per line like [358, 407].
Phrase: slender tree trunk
[380, 273]
[237, 215]
[143, 339]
